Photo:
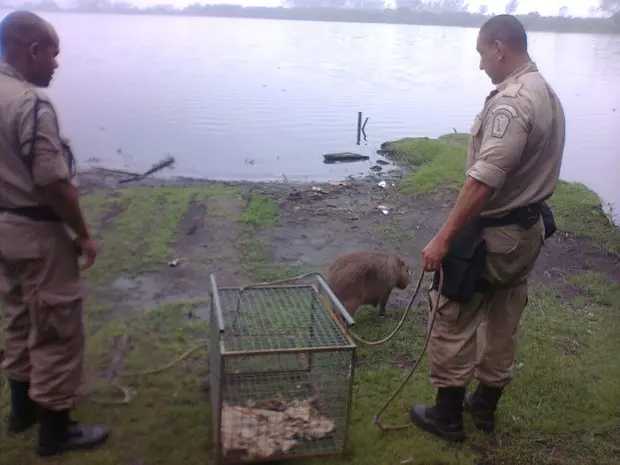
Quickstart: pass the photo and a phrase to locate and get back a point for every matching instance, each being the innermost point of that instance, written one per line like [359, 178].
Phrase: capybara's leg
[383, 303]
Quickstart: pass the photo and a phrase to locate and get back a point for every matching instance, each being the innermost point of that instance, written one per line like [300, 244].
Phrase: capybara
[367, 277]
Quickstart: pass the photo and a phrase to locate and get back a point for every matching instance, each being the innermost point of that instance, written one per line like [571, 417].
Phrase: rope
[128, 393]
[366, 343]
[413, 369]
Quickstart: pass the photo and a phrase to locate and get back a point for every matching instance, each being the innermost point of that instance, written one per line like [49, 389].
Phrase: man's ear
[34, 50]
[500, 50]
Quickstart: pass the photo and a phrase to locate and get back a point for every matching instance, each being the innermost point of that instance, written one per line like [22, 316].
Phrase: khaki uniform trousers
[479, 339]
[43, 309]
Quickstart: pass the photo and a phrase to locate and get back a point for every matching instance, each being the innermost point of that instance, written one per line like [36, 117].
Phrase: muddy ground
[316, 223]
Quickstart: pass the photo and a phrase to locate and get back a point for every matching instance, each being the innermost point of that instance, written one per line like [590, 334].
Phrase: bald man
[492, 238]
[39, 268]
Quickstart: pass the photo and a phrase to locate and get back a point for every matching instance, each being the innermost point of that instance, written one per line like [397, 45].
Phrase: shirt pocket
[474, 134]
[475, 127]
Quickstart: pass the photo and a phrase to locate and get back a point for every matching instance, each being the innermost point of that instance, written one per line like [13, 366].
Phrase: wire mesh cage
[281, 372]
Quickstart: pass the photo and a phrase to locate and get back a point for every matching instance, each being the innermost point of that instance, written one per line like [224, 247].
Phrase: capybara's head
[403, 275]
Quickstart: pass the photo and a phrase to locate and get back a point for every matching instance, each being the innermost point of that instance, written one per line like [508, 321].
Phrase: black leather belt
[526, 217]
[37, 213]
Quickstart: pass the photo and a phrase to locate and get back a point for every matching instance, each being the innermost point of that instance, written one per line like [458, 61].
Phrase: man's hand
[469, 204]
[434, 253]
[88, 248]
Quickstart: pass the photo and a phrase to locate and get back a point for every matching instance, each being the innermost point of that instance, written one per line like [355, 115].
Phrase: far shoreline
[533, 22]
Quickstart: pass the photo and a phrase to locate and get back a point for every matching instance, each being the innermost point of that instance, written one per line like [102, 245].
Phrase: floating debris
[165, 163]
[343, 157]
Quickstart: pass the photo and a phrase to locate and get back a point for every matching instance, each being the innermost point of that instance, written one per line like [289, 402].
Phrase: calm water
[256, 99]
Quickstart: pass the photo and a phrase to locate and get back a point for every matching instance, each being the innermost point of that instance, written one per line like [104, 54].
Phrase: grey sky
[545, 7]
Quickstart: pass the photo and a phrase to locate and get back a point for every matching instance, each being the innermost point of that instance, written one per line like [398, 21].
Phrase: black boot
[482, 404]
[57, 434]
[23, 410]
[445, 418]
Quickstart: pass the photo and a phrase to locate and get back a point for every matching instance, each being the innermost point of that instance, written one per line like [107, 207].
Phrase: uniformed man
[39, 267]
[513, 165]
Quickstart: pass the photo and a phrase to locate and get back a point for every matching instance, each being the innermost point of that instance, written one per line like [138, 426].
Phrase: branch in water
[165, 163]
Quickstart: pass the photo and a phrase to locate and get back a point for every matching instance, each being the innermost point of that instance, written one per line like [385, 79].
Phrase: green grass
[260, 212]
[138, 234]
[440, 163]
[392, 234]
[563, 403]
[435, 164]
[166, 422]
[577, 210]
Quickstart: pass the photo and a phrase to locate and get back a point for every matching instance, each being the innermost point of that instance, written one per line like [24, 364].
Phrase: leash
[432, 316]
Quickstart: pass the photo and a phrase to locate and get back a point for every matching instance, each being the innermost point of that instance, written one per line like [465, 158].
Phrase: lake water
[259, 99]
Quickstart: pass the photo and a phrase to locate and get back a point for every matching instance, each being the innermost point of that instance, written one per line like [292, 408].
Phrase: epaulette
[512, 89]
[39, 93]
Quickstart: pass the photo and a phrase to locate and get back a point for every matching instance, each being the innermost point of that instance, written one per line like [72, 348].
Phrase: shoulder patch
[505, 107]
[500, 125]
[512, 89]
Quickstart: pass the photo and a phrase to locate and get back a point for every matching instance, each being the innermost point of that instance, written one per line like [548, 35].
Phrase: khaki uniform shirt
[517, 142]
[24, 166]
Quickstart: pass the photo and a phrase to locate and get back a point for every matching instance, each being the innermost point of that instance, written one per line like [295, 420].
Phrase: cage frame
[332, 305]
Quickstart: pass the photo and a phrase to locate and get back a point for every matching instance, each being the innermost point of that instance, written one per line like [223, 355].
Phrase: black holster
[548, 220]
[526, 217]
[463, 266]
[465, 261]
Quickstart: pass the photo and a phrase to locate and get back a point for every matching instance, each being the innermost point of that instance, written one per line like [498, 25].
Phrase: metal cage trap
[281, 372]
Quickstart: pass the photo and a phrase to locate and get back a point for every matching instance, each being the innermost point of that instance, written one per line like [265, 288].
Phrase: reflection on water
[259, 99]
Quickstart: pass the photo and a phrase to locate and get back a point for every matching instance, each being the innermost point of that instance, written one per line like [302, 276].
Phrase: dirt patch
[205, 243]
[151, 290]
[315, 227]
[564, 255]
[119, 351]
[219, 238]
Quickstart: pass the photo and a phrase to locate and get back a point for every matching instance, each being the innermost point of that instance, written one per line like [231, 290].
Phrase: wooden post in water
[359, 126]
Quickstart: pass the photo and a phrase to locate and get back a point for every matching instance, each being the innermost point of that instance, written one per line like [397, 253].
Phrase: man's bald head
[23, 28]
[29, 44]
[502, 45]
[506, 29]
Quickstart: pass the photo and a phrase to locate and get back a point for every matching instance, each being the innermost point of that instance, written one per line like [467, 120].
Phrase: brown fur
[367, 278]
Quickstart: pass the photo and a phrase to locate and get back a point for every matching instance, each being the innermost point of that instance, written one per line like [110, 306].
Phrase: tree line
[420, 12]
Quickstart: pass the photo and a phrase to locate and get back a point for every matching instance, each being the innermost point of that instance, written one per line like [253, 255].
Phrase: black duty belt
[37, 213]
[526, 217]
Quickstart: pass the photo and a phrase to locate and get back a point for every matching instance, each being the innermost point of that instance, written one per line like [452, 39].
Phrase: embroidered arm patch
[500, 124]
[503, 113]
